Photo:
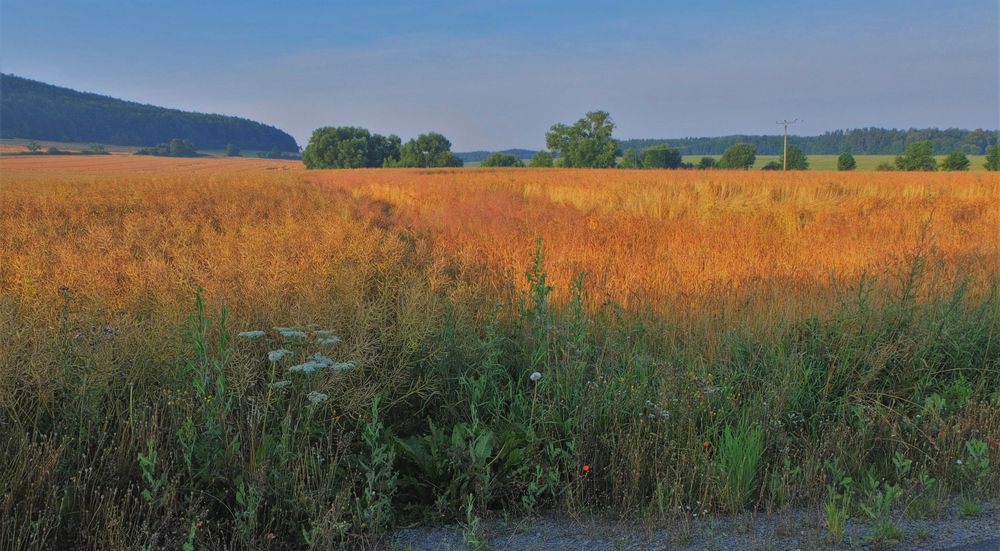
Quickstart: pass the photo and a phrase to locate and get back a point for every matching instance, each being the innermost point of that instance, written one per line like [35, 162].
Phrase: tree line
[858, 141]
[589, 143]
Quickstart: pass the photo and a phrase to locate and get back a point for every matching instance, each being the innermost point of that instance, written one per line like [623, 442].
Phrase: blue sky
[492, 75]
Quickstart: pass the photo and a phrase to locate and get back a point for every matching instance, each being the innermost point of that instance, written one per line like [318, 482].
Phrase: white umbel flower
[535, 376]
[316, 397]
[277, 355]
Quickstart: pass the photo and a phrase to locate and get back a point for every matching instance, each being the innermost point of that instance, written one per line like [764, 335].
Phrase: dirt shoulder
[787, 529]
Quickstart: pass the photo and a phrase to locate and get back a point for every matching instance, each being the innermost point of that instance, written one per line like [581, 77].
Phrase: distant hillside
[476, 156]
[859, 141]
[35, 110]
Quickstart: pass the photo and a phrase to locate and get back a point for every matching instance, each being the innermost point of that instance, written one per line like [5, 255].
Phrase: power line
[784, 155]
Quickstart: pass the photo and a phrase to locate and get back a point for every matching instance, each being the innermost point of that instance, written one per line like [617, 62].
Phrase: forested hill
[859, 141]
[39, 111]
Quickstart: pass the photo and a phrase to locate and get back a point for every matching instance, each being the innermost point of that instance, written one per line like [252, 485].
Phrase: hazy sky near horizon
[494, 75]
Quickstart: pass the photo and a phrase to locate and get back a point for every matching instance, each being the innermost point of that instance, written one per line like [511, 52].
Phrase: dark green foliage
[771, 165]
[176, 148]
[797, 160]
[956, 160]
[502, 159]
[918, 156]
[739, 156]
[33, 147]
[993, 158]
[232, 150]
[31, 109]
[587, 143]
[274, 153]
[885, 167]
[707, 162]
[859, 141]
[542, 159]
[349, 147]
[480, 155]
[846, 162]
[426, 151]
[630, 159]
[660, 156]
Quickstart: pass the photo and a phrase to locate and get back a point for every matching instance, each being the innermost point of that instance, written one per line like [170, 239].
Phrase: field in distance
[404, 346]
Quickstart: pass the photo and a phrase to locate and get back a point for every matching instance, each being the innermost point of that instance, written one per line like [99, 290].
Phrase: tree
[660, 156]
[232, 150]
[585, 144]
[797, 160]
[954, 161]
[739, 156]
[993, 157]
[542, 159]
[885, 167]
[427, 151]
[772, 165]
[630, 159]
[33, 147]
[846, 162]
[181, 148]
[707, 162]
[383, 150]
[917, 156]
[501, 159]
[349, 147]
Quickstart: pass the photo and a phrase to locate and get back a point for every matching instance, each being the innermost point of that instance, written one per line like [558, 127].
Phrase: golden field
[121, 229]
[831, 323]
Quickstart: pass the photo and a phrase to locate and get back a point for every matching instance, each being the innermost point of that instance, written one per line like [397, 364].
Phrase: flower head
[280, 384]
[586, 468]
[277, 355]
[307, 367]
[317, 397]
[535, 376]
[252, 334]
[706, 444]
[289, 332]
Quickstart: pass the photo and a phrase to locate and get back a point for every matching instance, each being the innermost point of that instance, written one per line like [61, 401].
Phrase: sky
[494, 75]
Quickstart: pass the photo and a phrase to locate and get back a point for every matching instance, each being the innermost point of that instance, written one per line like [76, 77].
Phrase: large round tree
[739, 156]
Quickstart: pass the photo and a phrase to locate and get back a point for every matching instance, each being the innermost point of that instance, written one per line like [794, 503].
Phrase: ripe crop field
[449, 344]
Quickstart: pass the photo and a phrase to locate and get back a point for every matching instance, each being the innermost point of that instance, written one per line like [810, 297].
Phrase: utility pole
[784, 154]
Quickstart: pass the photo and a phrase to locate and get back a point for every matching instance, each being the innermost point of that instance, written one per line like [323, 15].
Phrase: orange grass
[682, 238]
[126, 230]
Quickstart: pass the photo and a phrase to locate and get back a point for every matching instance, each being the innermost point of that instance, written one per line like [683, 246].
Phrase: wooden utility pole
[784, 154]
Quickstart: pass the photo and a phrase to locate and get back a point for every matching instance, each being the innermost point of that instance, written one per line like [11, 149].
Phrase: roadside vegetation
[311, 359]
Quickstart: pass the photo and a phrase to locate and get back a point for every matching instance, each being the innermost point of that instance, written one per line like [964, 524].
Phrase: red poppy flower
[706, 444]
[270, 535]
[586, 468]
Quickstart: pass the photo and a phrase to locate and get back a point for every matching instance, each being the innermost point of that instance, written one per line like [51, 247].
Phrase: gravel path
[784, 530]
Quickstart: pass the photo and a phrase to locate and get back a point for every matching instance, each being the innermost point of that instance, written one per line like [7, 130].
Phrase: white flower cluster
[313, 363]
[319, 361]
[656, 410]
